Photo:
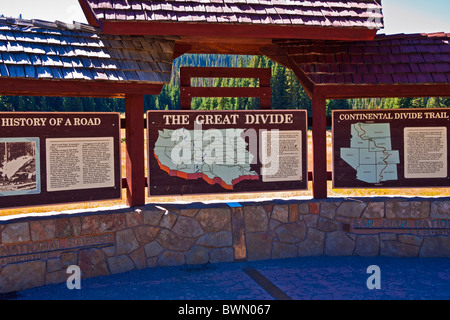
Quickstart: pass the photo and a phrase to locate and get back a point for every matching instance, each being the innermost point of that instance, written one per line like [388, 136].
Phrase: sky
[401, 16]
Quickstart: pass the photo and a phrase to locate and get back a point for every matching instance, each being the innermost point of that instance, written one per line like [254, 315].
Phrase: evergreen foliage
[287, 93]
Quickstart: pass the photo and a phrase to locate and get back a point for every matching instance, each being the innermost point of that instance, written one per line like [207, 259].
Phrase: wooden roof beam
[71, 88]
[89, 14]
[219, 47]
[382, 90]
[214, 30]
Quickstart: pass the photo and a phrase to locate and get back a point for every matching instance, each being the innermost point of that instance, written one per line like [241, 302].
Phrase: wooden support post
[319, 137]
[185, 103]
[265, 103]
[238, 232]
[134, 113]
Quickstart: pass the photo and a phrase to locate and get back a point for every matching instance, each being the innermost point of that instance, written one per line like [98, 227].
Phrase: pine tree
[418, 103]
[279, 88]
[436, 102]
[287, 92]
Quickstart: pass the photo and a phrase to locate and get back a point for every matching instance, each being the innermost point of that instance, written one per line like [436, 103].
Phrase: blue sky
[401, 16]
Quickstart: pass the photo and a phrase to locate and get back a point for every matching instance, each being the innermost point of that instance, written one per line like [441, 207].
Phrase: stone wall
[36, 251]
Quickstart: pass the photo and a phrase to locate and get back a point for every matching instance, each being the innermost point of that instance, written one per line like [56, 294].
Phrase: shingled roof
[254, 19]
[389, 59]
[337, 13]
[34, 49]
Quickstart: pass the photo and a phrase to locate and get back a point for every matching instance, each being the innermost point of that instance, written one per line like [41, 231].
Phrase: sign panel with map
[196, 152]
[49, 158]
[391, 148]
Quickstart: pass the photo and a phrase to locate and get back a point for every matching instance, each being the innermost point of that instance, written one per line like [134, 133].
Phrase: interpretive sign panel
[391, 148]
[195, 152]
[48, 158]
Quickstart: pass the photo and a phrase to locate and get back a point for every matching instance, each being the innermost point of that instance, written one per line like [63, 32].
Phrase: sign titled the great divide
[197, 152]
[391, 148]
[48, 158]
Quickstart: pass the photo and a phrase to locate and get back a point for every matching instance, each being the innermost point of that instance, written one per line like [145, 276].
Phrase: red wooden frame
[72, 88]
[209, 37]
[90, 16]
[382, 90]
[263, 92]
[263, 74]
[235, 30]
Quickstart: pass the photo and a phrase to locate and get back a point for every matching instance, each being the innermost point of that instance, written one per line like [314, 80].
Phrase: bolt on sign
[48, 158]
[197, 152]
[391, 148]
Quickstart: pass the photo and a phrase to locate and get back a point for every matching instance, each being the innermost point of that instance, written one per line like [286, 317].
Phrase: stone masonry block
[187, 227]
[256, 219]
[16, 232]
[338, 243]
[407, 209]
[367, 245]
[280, 213]
[42, 230]
[351, 209]
[259, 246]
[12, 276]
[214, 219]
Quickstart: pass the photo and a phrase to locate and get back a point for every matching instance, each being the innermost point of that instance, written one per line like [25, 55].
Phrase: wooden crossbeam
[73, 88]
[263, 92]
[225, 92]
[263, 74]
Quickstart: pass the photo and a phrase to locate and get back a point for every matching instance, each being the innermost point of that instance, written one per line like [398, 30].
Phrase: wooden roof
[338, 13]
[39, 50]
[264, 19]
[390, 60]
[111, 65]
[33, 49]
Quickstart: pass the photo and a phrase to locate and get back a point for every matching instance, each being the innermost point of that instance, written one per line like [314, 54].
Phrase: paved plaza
[312, 278]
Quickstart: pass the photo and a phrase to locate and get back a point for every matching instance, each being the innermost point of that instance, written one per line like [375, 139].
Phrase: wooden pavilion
[128, 48]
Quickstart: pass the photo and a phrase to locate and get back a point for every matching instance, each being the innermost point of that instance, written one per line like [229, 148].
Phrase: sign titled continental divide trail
[48, 158]
[197, 152]
[391, 148]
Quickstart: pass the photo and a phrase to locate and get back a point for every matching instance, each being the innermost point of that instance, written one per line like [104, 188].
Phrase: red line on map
[201, 175]
[376, 146]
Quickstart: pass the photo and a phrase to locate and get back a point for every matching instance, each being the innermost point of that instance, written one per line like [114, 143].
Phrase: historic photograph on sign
[195, 152]
[391, 148]
[19, 166]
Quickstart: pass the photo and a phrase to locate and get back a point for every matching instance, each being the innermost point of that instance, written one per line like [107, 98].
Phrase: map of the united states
[371, 154]
[188, 154]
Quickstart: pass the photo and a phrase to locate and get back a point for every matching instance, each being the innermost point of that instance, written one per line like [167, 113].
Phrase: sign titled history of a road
[59, 158]
[197, 152]
[391, 148]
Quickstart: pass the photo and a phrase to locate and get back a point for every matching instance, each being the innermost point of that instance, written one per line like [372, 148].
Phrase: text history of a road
[59, 157]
